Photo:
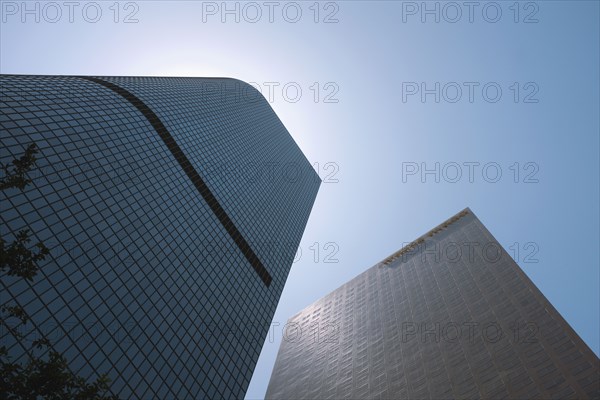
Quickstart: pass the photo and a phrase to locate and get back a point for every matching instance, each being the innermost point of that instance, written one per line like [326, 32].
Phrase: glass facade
[172, 208]
[450, 315]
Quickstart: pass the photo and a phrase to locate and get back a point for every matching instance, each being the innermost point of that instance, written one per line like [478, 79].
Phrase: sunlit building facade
[449, 316]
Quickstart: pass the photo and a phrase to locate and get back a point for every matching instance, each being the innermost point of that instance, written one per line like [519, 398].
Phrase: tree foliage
[44, 372]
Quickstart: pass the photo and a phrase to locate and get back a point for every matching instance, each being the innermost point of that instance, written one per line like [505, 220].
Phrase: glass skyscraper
[172, 208]
[450, 315]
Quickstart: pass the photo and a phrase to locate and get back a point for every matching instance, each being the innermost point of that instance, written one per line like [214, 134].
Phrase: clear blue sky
[372, 60]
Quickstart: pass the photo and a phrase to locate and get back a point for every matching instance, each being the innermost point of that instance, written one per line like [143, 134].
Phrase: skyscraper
[172, 207]
[450, 315]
